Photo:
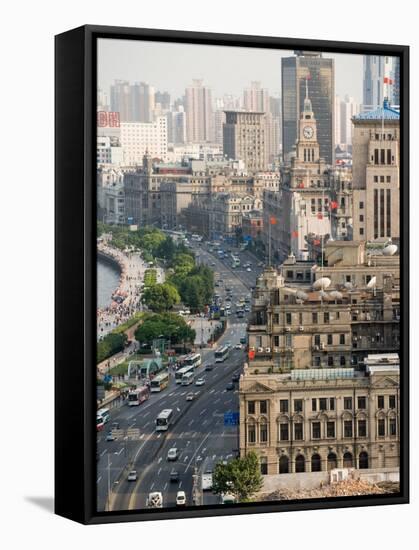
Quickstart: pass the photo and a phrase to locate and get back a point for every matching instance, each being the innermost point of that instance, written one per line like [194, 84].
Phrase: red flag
[319, 216]
[300, 185]
[251, 354]
[272, 220]
[316, 242]
[294, 234]
[388, 80]
[333, 205]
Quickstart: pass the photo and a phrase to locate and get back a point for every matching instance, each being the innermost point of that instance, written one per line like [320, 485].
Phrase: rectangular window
[263, 433]
[251, 434]
[314, 405]
[375, 179]
[392, 427]
[347, 403]
[381, 427]
[326, 316]
[316, 430]
[382, 156]
[361, 217]
[329, 339]
[298, 431]
[263, 407]
[380, 401]
[283, 432]
[362, 402]
[381, 179]
[315, 318]
[388, 211]
[375, 213]
[330, 427]
[388, 179]
[283, 405]
[332, 403]
[298, 405]
[250, 407]
[362, 428]
[375, 156]
[317, 339]
[342, 339]
[288, 318]
[361, 205]
[347, 428]
[330, 361]
[323, 404]
[382, 212]
[392, 401]
[388, 156]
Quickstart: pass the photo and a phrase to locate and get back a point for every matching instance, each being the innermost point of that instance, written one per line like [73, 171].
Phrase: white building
[137, 138]
[109, 151]
[345, 109]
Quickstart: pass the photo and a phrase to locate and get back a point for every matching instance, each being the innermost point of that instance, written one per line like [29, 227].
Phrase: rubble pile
[346, 488]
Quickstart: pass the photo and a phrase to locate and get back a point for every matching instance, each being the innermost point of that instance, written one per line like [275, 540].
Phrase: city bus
[188, 378]
[99, 423]
[181, 372]
[138, 396]
[163, 420]
[235, 261]
[159, 382]
[221, 354]
[105, 414]
[193, 360]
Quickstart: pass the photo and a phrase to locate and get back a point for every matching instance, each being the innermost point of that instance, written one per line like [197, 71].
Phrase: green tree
[166, 249]
[167, 325]
[241, 477]
[161, 297]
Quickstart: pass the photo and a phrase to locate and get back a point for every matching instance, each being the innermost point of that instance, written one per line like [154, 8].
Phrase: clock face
[308, 132]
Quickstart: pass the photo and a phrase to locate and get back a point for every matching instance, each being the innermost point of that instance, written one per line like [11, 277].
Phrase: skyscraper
[244, 138]
[320, 73]
[376, 68]
[121, 99]
[345, 109]
[396, 82]
[198, 107]
[134, 102]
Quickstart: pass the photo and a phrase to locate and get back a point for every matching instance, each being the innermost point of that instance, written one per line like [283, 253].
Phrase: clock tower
[308, 149]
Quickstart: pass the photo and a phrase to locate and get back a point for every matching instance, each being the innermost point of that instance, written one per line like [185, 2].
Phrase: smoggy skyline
[227, 70]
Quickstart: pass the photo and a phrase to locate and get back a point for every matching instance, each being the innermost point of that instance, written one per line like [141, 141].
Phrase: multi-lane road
[197, 430]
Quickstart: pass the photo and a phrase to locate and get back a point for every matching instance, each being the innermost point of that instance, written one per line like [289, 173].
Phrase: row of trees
[111, 343]
[169, 326]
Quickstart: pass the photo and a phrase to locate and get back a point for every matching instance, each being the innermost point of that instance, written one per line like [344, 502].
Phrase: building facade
[319, 420]
[199, 117]
[139, 138]
[244, 138]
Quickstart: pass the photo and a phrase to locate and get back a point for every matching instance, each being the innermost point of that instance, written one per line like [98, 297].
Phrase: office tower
[345, 110]
[396, 82]
[139, 138]
[320, 74]
[376, 174]
[376, 69]
[163, 98]
[142, 101]
[244, 136]
[121, 99]
[176, 127]
[198, 107]
[256, 98]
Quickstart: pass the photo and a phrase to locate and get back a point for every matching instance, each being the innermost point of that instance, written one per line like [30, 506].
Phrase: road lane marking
[202, 412]
[180, 485]
[159, 460]
[197, 449]
[131, 425]
[165, 486]
[170, 394]
[103, 452]
[142, 436]
[119, 452]
[151, 486]
[194, 435]
[159, 436]
[98, 479]
[158, 471]
[191, 422]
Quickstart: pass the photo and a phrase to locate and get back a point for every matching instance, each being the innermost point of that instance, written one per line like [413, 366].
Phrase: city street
[197, 429]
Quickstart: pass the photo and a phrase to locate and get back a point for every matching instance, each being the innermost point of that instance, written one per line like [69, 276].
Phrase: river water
[107, 282]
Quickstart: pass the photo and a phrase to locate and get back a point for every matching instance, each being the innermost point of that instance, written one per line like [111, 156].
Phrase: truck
[154, 500]
[207, 481]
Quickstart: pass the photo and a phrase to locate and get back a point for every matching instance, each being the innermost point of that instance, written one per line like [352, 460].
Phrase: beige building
[320, 419]
[199, 117]
[244, 138]
[376, 174]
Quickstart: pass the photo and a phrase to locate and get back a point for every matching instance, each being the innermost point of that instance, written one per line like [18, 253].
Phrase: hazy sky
[227, 70]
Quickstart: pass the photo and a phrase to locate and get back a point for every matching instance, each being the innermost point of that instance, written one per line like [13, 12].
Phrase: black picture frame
[75, 270]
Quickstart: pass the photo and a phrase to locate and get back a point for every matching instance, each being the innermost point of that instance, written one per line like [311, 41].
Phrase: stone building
[244, 138]
[320, 419]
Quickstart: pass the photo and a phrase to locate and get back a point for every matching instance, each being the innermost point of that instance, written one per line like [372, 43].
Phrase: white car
[238, 346]
[172, 454]
[132, 476]
[180, 498]
[200, 382]
[249, 269]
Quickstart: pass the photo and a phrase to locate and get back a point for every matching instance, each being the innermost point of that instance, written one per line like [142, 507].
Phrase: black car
[174, 476]
[235, 377]
[230, 386]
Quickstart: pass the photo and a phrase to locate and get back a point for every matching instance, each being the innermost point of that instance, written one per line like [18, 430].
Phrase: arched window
[300, 464]
[348, 460]
[332, 461]
[283, 465]
[363, 460]
[251, 432]
[316, 463]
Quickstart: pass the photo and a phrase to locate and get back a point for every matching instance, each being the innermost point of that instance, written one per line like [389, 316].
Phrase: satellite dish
[372, 283]
[336, 295]
[302, 295]
[322, 294]
[390, 250]
[322, 283]
[348, 285]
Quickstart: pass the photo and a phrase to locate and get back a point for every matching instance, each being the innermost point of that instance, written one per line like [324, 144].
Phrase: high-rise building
[163, 98]
[376, 174]
[345, 110]
[396, 82]
[142, 100]
[256, 98]
[375, 90]
[320, 74]
[121, 99]
[176, 127]
[244, 138]
[198, 107]
[139, 138]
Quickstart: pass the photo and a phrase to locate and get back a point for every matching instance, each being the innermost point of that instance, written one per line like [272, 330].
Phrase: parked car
[180, 498]
[173, 454]
[132, 476]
